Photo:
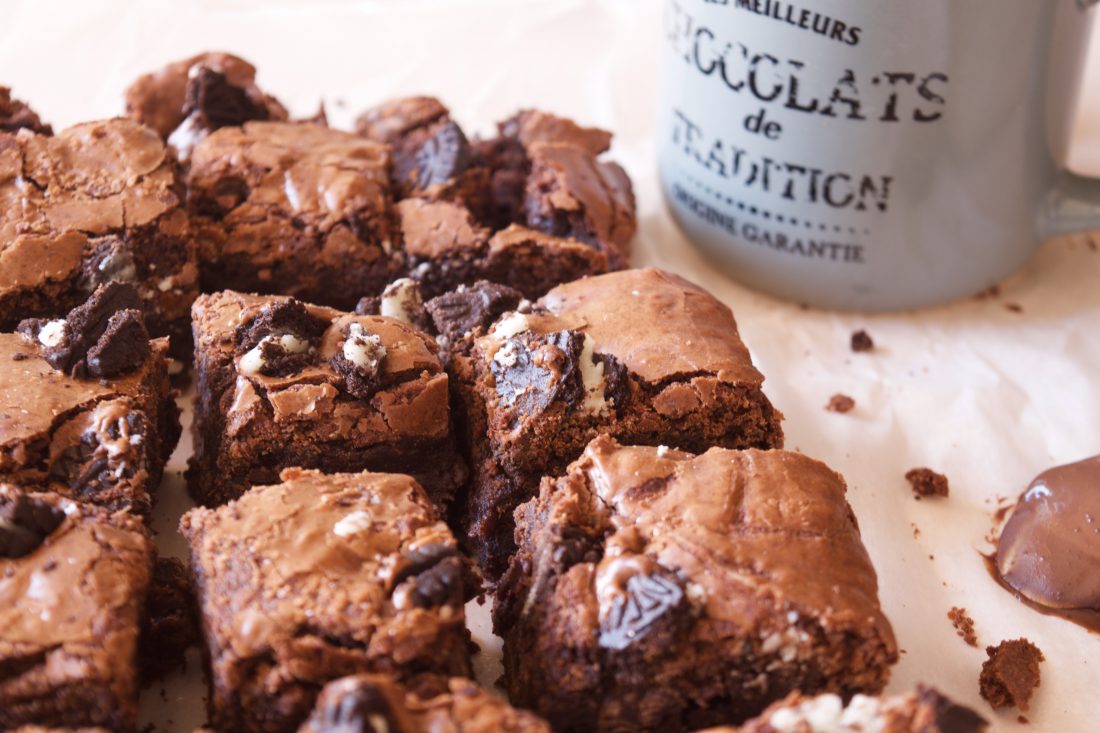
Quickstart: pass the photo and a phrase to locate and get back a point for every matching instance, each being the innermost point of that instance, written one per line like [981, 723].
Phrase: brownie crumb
[1011, 674]
[964, 625]
[1014, 307]
[861, 341]
[926, 482]
[840, 403]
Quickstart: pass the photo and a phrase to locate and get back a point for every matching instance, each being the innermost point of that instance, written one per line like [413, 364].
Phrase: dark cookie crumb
[1011, 674]
[840, 403]
[964, 625]
[861, 341]
[1014, 307]
[926, 482]
[215, 102]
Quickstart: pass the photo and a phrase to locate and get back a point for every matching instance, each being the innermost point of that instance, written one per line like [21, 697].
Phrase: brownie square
[922, 711]
[318, 577]
[642, 355]
[85, 406]
[283, 384]
[658, 590]
[97, 203]
[532, 207]
[428, 704]
[73, 579]
[295, 209]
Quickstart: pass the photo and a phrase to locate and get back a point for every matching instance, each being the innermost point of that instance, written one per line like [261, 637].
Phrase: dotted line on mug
[769, 215]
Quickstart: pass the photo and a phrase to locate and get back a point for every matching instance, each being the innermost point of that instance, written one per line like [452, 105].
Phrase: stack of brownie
[422, 372]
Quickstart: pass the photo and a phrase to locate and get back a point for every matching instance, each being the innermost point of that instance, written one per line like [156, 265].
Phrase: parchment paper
[987, 395]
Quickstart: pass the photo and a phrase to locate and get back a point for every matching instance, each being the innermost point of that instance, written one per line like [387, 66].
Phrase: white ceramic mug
[872, 155]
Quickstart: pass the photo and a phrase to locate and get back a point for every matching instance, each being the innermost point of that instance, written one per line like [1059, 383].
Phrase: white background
[986, 395]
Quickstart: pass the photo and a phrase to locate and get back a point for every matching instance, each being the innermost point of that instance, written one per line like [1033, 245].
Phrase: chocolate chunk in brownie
[294, 209]
[926, 483]
[189, 99]
[922, 711]
[641, 355]
[1011, 674]
[282, 383]
[74, 584]
[85, 405]
[97, 203]
[658, 590]
[428, 704]
[346, 573]
[16, 115]
[861, 341]
[103, 337]
[170, 625]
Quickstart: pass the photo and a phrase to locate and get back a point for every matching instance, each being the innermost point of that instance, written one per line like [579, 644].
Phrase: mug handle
[1073, 206]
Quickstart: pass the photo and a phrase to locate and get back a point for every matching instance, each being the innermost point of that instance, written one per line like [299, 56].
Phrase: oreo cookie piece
[25, 523]
[471, 308]
[281, 340]
[104, 337]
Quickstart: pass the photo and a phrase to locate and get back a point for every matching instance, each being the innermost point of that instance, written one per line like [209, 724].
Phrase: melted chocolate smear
[1049, 550]
[25, 523]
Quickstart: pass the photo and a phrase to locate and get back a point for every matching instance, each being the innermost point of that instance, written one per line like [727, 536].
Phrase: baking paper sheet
[987, 395]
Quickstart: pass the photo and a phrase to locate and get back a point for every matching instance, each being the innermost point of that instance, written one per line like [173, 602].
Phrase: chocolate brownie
[283, 384]
[187, 100]
[99, 202]
[85, 406]
[657, 590]
[73, 579]
[533, 207]
[294, 209]
[316, 578]
[642, 355]
[430, 704]
[923, 711]
[16, 115]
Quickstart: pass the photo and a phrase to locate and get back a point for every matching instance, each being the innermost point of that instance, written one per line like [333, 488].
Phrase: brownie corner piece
[655, 589]
[294, 209]
[105, 207]
[642, 355]
[346, 574]
[74, 583]
[282, 384]
[86, 409]
[426, 704]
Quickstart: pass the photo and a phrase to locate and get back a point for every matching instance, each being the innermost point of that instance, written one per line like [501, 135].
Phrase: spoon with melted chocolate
[1049, 550]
